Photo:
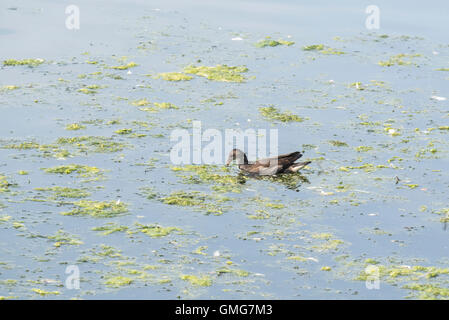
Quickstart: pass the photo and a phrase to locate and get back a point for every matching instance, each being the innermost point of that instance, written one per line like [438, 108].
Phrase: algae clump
[196, 199]
[268, 42]
[401, 59]
[45, 293]
[110, 228]
[24, 62]
[219, 73]
[124, 131]
[203, 281]
[174, 76]
[125, 66]
[63, 238]
[118, 281]
[65, 192]
[81, 170]
[97, 209]
[93, 144]
[272, 113]
[156, 231]
[4, 184]
[74, 126]
[321, 48]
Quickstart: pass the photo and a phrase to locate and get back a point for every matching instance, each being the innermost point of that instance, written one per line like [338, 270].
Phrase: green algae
[148, 193]
[237, 272]
[363, 148]
[328, 245]
[5, 218]
[124, 131]
[156, 231]
[165, 105]
[44, 292]
[109, 228]
[46, 149]
[9, 88]
[268, 42]
[118, 281]
[97, 209]
[428, 291]
[337, 143]
[8, 282]
[18, 225]
[5, 184]
[24, 62]
[271, 113]
[107, 252]
[290, 181]
[63, 238]
[210, 174]
[321, 48]
[423, 282]
[125, 66]
[159, 106]
[401, 59]
[297, 258]
[174, 76]
[200, 250]
[202, 281]
[219, 72]
[205, 202]
[74, 126]
[367, 167]
[356, 85]
[141, 102]
[322, 236]
[313, 47]
[65, 192]
[87, 91]
[85, 171]
[443, 212]
[403, 272]
[92, 144]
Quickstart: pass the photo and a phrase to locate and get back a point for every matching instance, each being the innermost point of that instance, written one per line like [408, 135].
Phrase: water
[273, 240]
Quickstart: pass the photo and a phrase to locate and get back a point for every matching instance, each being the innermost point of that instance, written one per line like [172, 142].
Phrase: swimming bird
[284, 163]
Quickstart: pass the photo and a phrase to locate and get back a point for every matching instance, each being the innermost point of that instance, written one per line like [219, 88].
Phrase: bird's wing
[284, 160]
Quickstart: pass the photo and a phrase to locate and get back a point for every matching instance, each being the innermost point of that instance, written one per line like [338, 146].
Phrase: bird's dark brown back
[284, 160]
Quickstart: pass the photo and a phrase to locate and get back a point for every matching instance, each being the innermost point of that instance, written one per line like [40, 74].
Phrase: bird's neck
[245, 160]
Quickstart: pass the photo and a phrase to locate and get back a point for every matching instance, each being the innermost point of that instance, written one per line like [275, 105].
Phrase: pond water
[87, 185]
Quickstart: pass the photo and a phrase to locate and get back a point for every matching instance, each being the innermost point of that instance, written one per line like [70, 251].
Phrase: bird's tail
[295, 167]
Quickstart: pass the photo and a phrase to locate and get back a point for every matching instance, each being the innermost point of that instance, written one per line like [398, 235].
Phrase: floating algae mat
[268, 42]
[97, 209]
[174, 76]
[219, 73]
[273, 113]
[88, 182]
[321, 48]
[24, 62]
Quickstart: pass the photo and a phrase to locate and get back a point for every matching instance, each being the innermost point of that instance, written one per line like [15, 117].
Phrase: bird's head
[237, 155]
